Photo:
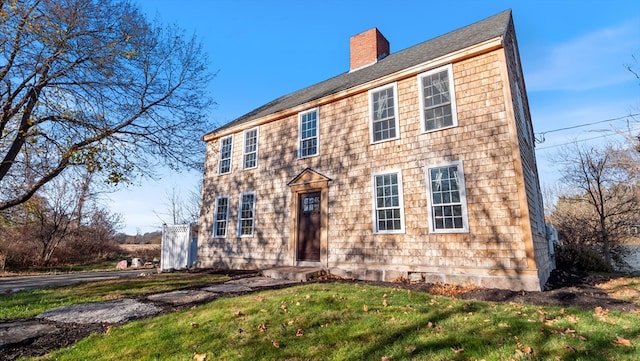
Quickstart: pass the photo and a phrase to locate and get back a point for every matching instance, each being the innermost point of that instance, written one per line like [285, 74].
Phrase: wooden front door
[308, 247]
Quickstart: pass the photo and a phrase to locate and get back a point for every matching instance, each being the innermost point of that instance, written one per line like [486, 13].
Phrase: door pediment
[308, 176]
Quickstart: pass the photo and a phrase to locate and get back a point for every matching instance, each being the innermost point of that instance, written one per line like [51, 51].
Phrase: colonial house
[413, 165]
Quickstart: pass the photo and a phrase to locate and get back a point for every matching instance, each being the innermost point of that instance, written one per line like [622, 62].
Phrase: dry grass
[624, 288]
[133, 248]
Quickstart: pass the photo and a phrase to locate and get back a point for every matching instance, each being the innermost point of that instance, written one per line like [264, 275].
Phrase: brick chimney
[367, 48]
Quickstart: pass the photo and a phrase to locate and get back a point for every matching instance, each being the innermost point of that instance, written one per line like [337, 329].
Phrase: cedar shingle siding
[504, 245]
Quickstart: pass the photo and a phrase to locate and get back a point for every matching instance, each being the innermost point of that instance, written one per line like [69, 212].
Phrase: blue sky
[573, 54]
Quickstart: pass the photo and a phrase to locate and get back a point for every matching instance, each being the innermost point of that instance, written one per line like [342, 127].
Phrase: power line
[542, 138]
[581, 140]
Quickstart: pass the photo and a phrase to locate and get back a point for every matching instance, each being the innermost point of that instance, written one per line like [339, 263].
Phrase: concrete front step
[301, 274]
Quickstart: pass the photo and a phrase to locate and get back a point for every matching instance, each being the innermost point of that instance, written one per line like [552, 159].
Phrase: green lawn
[336, 321]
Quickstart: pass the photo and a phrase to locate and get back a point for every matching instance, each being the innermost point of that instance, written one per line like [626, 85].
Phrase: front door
[308, 247]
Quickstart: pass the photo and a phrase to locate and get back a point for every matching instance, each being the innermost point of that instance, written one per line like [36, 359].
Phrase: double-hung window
[388, 205]
[447, 198]
[437, 99]
[226, 146]
[221, 217]
[247, 214]
[383, 113]
[308, 133]
[250, 154]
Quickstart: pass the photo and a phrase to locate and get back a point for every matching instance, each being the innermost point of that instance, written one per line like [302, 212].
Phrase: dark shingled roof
[483, 30]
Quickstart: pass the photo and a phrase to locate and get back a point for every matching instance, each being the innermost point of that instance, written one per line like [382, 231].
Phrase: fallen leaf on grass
[601, 313]
[526, 350]
[275, 344]
[300, 332]
[621, 341]
[570, 348]
[572, 319]
[385, 358]
[199, 357]
[384, 303]
[365, 308]
[262, 327]
[457, 348]
[194, 324]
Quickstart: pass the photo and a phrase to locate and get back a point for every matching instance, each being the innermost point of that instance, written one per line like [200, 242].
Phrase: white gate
[179, 248]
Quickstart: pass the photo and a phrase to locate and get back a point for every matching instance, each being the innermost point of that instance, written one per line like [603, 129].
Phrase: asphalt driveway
[14, 284]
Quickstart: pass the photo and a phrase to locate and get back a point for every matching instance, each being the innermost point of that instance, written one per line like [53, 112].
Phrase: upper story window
[387, 202]
[308, 133]
[250, 153]
[383, 113]
[437, 99]
[447, 198]
[226, 146]
[247, 213]
[221, 217]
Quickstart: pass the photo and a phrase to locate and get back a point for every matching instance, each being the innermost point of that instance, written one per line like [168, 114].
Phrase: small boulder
[137, 263]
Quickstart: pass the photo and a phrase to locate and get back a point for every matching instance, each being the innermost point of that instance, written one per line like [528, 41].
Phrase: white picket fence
[179, 247]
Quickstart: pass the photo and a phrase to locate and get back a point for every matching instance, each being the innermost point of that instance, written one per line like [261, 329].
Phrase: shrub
[578, 257]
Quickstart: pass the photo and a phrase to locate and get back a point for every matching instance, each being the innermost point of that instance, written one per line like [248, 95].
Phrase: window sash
[226, 147]
[437, 99]
[388, 205]
[308, 134]
[246, 214]
[447, 198]
[221, 217]
[250, 159]
[383, 113]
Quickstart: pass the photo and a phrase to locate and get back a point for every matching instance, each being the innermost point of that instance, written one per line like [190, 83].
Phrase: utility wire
[541, 134]
[581, 140]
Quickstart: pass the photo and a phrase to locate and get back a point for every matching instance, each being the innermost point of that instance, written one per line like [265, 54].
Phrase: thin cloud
[591, 61]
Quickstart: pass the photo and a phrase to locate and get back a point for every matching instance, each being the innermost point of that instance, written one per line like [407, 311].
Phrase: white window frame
[253, 214]
[539, 207]
[300, 135]
[452, 93]
[230, 158]
[244, 148]
[394, 87]
[462, 202]
[215, 218]
[375, 208]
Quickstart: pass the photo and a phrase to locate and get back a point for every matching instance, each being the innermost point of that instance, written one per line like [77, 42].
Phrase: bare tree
[94, 84]
[608, 188]
[175, 205]
[63, 219]
[181, 209]
[51, 218]
[193, 203]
